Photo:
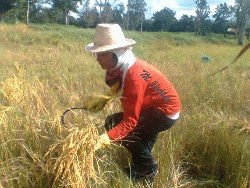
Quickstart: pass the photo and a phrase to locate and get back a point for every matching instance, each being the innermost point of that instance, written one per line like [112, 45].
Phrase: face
[106, 60]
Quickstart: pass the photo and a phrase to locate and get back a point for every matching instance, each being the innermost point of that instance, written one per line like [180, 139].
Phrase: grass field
[45, 70]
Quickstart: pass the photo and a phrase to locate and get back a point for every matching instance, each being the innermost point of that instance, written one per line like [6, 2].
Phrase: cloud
[92, 3]
[231, 2]
[213, 8]
[188, 4]
[125, 2]
[180, 13]
[192, 12]
[158, 5]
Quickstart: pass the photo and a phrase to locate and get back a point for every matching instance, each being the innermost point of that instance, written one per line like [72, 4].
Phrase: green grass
[45, 70]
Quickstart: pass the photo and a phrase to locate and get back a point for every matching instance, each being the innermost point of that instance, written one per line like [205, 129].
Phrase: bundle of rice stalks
[35, 150]
[96, 103]
[73, 160]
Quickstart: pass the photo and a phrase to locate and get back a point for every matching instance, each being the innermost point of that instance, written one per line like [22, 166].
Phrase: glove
[96, 103]
[115, 90]
[102, 141]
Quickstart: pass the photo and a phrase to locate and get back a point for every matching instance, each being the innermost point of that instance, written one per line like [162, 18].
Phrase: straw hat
[108, 37]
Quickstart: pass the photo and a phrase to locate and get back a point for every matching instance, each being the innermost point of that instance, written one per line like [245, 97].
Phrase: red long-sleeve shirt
[144, 87]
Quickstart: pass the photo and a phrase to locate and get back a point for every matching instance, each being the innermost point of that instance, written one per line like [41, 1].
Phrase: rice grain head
[75, 164]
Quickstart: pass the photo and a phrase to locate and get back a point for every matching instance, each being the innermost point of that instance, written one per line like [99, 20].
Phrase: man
[150, 102]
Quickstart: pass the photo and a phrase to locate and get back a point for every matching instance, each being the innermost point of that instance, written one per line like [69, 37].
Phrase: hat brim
[94, 48]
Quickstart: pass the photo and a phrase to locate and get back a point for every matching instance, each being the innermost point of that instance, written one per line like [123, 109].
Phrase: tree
[242, 11]
[19, 11]
[65, 6]
[202, 14]
[163, 19]
[5, 5]
[86, 4]
[85, 15]
[187, 24]
[222, 14]
[45, 15]
[135, 13]
[90, 19]
[24, 10]
[118, 14]
[35, 11]
[106, 14]
[30, 6]
[93, 17]
[147, 25]
[105, 10]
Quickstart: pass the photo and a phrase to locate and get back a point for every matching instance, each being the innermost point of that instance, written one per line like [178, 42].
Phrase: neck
[125, 58]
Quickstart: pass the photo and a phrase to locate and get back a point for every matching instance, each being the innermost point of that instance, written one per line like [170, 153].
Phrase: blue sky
[179, 6]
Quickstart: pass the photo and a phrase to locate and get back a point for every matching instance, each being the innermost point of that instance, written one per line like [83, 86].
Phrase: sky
[179, 6]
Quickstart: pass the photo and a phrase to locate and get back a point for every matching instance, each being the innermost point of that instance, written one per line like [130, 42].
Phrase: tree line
[131, 17]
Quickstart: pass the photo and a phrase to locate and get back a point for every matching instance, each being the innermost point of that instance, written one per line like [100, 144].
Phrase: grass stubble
[45, 70]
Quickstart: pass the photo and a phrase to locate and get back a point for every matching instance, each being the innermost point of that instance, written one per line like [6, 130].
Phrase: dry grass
[34, 146]
[46, 71]
[23, 28]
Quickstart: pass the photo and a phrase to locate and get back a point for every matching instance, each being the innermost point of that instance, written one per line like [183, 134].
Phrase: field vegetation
[45, 70]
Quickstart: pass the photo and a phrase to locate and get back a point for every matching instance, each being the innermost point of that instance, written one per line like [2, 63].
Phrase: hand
[102, 141]
[96, 103]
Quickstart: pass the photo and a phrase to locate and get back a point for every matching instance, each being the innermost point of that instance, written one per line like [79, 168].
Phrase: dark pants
[141, 140]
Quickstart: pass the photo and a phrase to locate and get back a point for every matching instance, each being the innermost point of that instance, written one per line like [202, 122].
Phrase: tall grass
[45, 70]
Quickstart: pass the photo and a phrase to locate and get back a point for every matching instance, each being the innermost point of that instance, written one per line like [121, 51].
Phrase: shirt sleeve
[131, 99]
